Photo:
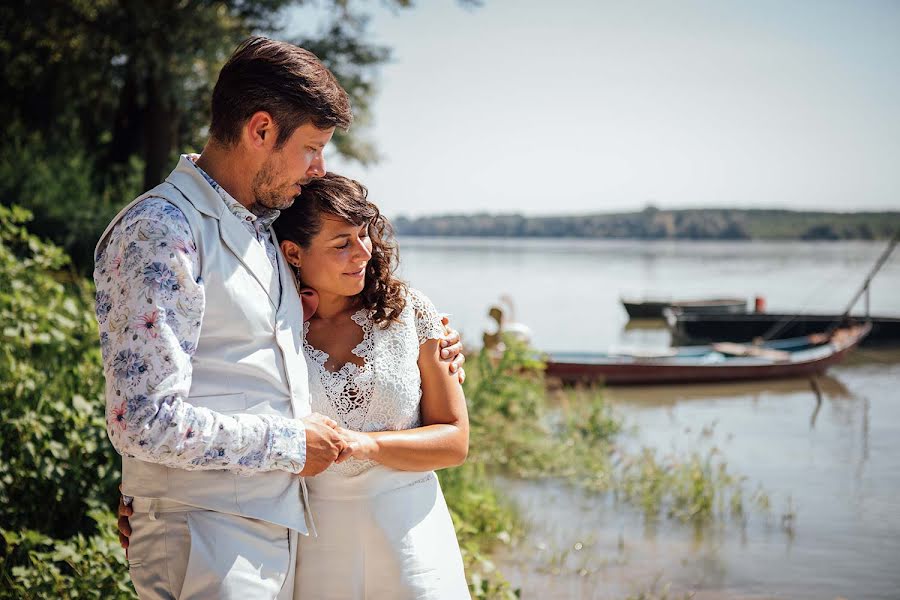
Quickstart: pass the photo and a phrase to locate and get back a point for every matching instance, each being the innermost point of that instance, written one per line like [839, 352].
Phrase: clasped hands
[327, 442]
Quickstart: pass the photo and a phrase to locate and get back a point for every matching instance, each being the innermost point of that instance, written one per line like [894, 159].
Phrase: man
[201, 326]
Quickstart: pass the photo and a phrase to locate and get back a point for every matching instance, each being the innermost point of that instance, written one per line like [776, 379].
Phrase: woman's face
[335, 261]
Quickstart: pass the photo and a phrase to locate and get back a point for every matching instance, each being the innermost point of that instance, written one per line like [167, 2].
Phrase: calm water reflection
[837, 468]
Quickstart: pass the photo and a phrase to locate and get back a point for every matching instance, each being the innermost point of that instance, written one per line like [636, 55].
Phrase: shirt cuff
[287, 450]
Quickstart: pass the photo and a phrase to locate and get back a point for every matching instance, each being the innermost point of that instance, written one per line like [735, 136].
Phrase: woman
[384, 530]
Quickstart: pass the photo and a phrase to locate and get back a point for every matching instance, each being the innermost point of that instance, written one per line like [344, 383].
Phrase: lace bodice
[383, 394]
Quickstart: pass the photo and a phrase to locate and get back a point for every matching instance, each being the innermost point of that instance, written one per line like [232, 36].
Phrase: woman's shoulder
[415, 296]
[418, 304]
[421, 310]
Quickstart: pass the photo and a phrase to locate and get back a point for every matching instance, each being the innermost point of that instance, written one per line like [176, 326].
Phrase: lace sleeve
[428, 320]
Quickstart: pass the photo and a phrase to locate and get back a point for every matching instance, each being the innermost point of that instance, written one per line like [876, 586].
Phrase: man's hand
[125, 511]
[324, 443]
[359, 445]
[451, 350]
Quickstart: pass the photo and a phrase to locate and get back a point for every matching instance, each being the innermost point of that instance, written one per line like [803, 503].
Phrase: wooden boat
[690, 328]
[797, 357]
[653, 309]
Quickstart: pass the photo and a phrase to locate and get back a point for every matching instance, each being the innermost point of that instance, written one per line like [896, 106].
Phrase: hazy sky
[572, 107]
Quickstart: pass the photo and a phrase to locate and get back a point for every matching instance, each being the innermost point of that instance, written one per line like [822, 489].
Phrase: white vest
[249, 358]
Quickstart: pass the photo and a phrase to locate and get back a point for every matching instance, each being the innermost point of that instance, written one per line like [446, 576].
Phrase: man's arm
[150, 304]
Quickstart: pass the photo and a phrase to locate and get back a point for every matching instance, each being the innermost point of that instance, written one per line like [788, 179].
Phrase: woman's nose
[362, 250]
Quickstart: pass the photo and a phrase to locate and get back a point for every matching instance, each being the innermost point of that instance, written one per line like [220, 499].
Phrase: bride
[384, 530]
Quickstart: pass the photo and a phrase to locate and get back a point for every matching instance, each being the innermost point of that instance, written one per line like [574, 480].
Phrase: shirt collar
[261, 217]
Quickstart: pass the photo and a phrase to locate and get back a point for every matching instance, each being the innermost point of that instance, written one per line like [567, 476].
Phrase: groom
[201, 333]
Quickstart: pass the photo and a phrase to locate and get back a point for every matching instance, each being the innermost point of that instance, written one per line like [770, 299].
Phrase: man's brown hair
[288, 82]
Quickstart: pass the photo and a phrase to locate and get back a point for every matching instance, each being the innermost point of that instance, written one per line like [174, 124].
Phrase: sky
[572, 107]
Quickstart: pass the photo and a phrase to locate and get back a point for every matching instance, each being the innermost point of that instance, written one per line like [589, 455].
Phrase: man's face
[286, 169]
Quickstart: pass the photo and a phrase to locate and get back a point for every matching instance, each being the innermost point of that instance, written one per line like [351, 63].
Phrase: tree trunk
[160, 131]
[128, 123]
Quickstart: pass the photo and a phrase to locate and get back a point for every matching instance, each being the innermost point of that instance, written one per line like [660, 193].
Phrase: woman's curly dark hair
[345, 199]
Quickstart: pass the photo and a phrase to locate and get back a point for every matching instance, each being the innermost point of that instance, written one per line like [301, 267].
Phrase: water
[568, 291]
[832, 472]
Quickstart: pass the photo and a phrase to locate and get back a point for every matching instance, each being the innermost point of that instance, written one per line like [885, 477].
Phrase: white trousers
[204, 555]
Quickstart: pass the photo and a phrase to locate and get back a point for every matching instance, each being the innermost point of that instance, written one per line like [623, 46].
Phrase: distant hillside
[651, 223]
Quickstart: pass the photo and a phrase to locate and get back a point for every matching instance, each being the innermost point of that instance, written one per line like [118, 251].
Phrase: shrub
[58, 472]
[71, 198]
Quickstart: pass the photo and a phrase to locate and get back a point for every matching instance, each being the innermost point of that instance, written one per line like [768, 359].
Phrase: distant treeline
[652, 223]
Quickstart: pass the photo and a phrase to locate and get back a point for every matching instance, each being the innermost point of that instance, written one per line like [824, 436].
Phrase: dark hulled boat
[653, 309]
[688, 328]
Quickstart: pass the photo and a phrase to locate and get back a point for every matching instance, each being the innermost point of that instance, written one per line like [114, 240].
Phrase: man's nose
[317, 166]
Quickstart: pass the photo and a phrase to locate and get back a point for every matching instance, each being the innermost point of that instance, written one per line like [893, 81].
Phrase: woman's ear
[291, 252]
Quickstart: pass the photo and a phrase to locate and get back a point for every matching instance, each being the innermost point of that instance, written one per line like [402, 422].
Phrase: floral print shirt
[149, 305]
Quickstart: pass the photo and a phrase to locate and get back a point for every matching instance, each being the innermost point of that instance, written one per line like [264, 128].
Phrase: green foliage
[58, 472]
[507, 415]
[342, 47]
[99, 98]
[72, 200]
[516, 430]
[130, 78]
[35, 566]
[53, 446]
[695, 489]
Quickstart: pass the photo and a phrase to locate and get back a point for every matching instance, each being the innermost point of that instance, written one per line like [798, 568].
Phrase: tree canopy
[100, 96]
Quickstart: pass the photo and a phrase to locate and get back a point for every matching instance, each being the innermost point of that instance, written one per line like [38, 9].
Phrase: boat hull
[655, 309]
[689, 368]
[704, 329]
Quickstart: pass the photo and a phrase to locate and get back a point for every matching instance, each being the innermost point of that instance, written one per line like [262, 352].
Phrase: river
[832, 471]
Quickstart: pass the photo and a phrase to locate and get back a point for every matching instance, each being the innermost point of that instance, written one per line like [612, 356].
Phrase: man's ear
[291, 252]
[259, 128]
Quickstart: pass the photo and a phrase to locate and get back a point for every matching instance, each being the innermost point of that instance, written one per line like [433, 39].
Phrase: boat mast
[864, 289]
[865, 286]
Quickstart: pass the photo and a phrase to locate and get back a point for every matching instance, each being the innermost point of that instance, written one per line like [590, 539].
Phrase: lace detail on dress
[428, 320]
[384, 393]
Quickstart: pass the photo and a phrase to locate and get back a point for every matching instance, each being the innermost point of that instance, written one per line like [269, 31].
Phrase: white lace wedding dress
[382, 533]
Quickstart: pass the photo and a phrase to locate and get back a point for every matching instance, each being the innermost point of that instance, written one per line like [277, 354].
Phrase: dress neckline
[348, 369]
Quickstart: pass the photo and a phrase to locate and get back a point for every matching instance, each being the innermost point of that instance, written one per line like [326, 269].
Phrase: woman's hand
[359, 445]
